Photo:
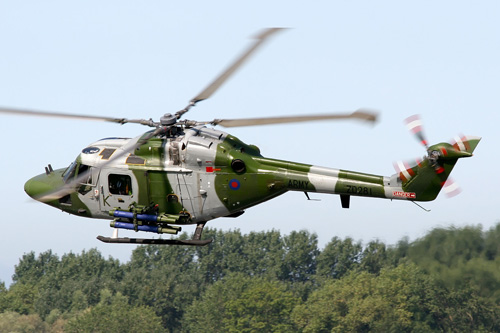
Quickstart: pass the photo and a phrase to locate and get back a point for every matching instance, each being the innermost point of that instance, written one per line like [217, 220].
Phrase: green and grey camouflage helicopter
[183, 172]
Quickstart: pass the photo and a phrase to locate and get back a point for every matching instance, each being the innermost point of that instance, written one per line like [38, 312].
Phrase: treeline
[448, 280]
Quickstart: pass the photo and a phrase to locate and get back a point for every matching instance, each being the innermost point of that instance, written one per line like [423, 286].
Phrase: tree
[31, 269]
[48, 282]
[460, 258]
[223, 255]
[114, 314]
[262, 254]
[240, 303]
[4, 303]
[492, 243]
[299, 260]
[399, 299]
[449, 281]
[15, 322]
[339, 257]
[447, 247]
[164, 278]
[22, 298]
[79, 278]
[374, 257]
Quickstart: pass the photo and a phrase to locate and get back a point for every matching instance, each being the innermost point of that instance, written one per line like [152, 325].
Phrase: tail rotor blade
[414, 124]
[451, 188]
[406, 169]
[461, 143]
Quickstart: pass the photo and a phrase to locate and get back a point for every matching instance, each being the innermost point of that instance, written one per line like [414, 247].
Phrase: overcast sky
[137, 59]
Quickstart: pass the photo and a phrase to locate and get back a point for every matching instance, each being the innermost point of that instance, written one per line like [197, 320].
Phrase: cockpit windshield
[70, 172]
[79, 169]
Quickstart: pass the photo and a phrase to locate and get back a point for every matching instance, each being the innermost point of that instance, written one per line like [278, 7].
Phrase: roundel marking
[234, 184]
[90, 150]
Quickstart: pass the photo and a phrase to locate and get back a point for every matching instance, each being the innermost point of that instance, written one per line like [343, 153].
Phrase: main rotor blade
[358, 115]
[26, 112]
[214, 85]
[76, 182]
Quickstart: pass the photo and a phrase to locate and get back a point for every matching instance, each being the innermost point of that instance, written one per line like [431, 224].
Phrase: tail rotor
[436, 164]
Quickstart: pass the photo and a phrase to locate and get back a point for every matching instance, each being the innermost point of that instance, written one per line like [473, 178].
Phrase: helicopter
[185, 172]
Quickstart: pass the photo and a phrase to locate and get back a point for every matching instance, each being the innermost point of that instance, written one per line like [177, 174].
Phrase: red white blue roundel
[234, 184]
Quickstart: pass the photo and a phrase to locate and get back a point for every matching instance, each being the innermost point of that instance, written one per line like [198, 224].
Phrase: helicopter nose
[35, 187]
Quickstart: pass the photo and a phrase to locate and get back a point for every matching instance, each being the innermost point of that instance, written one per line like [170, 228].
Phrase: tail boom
[422, 182]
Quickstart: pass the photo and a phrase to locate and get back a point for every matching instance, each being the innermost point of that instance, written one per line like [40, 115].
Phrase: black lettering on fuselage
[300, 184]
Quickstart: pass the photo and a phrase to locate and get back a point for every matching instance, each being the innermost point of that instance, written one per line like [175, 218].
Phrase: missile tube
[144, 217]
[148, 228]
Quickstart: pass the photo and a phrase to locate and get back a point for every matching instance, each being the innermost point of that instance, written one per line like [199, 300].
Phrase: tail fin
[426, 179]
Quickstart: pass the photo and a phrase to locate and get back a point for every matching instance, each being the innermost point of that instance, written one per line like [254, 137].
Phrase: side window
[82, 169]
[120, 184]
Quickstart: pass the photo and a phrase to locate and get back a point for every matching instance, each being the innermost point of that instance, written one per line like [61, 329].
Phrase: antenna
[427, 210]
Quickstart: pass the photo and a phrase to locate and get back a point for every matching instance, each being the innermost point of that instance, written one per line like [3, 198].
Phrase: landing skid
[196, 241]
[193, 242]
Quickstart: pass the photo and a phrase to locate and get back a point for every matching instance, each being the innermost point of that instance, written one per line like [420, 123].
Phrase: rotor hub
[168, 119]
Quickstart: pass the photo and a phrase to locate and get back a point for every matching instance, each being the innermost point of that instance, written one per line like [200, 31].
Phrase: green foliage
[15, 322]
[359, 302]
[255, 254]
[374, 257]
[4, 303]
[460, 257]
[400, 299]
[449, 280]
[448, 247]
[164, 278]
[339, 257]
[240, 303]
[30, 269]
[114, 314]
[21, 298]
[299, 260]
[492, 243]
[47, 282]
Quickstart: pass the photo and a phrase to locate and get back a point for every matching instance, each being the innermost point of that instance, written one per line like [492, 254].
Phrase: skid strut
[199, 230]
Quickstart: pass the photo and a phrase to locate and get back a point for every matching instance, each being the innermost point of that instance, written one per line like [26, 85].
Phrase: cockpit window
[120, 184]
[70, 172]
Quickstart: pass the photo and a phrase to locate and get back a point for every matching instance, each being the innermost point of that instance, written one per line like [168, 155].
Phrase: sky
[136, 59]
